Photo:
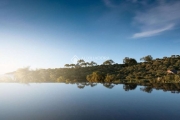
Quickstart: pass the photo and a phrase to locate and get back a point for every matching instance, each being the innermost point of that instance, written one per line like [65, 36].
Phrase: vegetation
[152, 70]
[108, 62]
[129, 61]
[145, 87]
[147, 58]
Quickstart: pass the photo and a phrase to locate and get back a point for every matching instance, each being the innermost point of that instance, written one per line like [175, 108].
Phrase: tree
[173, 56]
[109, 78]
[165, 57]
[61, 79]
[177, 56]
[129, 61]
[81, 62]
[95, 77]
[147, 58]
[72, 65]
[66, 65]
[108, 62]
[87, 64]
[92, 63]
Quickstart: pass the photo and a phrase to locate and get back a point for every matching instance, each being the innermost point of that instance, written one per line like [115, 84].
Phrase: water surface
[49, 101]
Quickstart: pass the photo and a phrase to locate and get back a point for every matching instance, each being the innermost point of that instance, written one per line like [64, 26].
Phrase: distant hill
[155, 69]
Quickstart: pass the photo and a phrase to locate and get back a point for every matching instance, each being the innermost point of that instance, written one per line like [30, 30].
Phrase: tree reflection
[172, 87]
[147, 86]
[108, 85]
[93, 84]
[81, 86]
[129, 86]
[147, 89]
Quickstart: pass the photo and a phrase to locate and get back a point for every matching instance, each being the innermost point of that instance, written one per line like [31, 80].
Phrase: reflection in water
[93, 84]
[172, 87]
[145, 87]
[130, 86]
[108, 85]
[81, 86]
[103, 101]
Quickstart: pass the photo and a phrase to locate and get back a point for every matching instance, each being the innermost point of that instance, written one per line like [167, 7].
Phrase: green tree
[109, 78]
[129, 61]
[88, 64]
[67, 65]
[84, 64]
[81, 62]
[108, 62]
[173, 56]
[95, 77]
[147, 58]
[72, 65]
[92, 63]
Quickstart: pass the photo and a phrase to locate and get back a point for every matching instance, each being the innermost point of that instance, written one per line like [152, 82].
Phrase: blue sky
[48, 33]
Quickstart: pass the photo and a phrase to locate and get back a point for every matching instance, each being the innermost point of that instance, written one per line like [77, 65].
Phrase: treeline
[145, 87]
[109, 71]
[173, 88]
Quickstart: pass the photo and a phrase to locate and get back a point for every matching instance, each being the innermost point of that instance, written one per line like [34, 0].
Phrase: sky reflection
[62, 101]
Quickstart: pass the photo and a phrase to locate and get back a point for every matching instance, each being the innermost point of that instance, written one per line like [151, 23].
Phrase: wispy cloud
[162, 17]
[152, 32]
[109, 3]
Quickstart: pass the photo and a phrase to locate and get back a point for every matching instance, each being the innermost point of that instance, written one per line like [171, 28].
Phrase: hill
[153, 70]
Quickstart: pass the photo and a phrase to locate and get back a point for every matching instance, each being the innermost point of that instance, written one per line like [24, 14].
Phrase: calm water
[60, 101]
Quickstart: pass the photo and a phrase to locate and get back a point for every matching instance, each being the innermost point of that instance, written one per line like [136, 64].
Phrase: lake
[51, 101]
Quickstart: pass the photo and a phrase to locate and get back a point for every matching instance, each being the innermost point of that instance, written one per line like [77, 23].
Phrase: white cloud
[162, 17]
[152, 32]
